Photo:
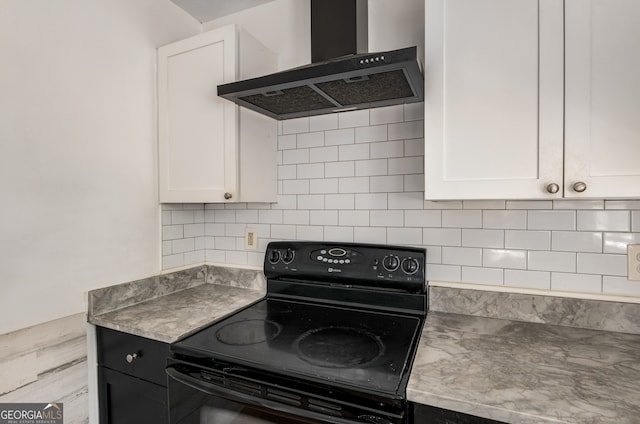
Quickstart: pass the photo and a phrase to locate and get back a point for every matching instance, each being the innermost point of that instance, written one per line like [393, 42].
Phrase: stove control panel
[374, 265]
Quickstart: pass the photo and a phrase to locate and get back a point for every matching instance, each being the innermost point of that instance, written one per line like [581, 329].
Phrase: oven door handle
[216, 390]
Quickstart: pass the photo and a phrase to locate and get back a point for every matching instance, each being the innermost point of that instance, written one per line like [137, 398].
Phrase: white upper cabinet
[602, 112]
[495, 82]
[209, 149]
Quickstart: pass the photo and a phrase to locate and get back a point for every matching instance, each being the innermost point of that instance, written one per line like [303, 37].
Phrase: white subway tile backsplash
[312, 201]
[540, 260]
[312, 139]
[213, 229]
[534, 240]
[406, 130]
[422, 218]
[576, 282]
[414, 111]
[605, 264]
[193, 230]
[323, 154]
[527, 279]
[344, 234]
[296, 217]
[270, 216]
[617, 242]
[339, 201]
[551, 220]
[406, 165]
[504, 258]
[359, 176]
[483, 238]
[386, 218]
[371, 201]
[296, 125]
[323, 122]
[326, 185]
[442, 236]
[309, 232]
[353, 218]
[477, 275]
[338, 137]
[620, 286]
[287, 142]
[353, 152]
[462, 256]
[340, 169]
[172, 232]
[386, 115]
[283, 232]
[462, 218]
[324, 217]
[499, 219]
[371, 167]
[604, 221]
[406, 200]
[295, 187]
[353, 185]
[386, 184]
[370, 235]
[387, 149]
[356, 118]
[371, 134]
[575, 241]
[295, 156]
[404, 236]
[451, 273]
[247, 216]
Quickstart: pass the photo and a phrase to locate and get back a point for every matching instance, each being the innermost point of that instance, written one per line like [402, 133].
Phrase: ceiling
[207, 10]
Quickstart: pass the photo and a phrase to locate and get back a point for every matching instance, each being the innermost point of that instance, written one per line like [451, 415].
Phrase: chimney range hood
[340, 78]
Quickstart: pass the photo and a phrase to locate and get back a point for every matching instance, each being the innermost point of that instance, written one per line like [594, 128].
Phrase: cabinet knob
[228, 196]
[579, 187]
[553, 188]
[132, 357]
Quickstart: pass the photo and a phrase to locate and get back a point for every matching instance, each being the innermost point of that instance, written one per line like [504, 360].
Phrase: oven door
[194, 401]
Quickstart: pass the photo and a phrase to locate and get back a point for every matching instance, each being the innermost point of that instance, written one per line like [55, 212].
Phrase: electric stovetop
[370, 350]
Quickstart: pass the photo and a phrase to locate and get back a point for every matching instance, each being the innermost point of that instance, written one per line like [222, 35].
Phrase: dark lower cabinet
[423, 414]
[131, 379]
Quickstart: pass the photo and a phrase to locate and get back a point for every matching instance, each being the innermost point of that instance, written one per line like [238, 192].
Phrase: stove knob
[287, 256]
[274, 257]
[410, 265]
[391, 263]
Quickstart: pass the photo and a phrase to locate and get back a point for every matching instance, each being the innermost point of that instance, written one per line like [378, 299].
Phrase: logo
[31, 413]
[335, 270]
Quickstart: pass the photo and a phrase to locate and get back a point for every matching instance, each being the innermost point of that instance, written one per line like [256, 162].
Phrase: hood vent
[350, 82]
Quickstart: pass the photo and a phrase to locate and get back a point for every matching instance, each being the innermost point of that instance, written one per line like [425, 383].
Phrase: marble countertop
[175, 315]
[527, 373]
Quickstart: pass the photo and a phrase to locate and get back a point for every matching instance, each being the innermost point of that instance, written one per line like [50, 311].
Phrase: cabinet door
[494, 97]
[197, 129]
[602, 98]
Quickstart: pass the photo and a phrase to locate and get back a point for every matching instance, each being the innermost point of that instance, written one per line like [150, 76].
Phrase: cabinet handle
[579, 187]
[553, 188]
[228, 196]
[132, 357]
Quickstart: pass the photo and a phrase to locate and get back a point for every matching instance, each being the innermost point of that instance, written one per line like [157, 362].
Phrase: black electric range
[332, 341]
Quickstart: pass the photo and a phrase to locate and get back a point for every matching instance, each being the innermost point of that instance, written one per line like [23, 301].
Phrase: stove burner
[339, 347]
[248, 332]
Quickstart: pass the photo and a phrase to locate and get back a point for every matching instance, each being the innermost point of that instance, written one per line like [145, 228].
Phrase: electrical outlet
[250, 239]
[633, 262]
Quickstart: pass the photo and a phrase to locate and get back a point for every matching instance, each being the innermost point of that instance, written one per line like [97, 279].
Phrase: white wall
[78, 149]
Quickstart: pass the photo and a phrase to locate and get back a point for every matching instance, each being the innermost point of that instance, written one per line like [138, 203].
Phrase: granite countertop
[527, 373]
[495, 355]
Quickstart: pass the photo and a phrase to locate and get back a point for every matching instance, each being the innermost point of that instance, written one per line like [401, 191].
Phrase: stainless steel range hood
[349, 82]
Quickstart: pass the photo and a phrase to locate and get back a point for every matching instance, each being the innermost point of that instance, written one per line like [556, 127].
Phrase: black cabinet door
[423, 414]
[129, 400]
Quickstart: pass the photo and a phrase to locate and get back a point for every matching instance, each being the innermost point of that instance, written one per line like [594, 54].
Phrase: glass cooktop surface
[353, 347]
